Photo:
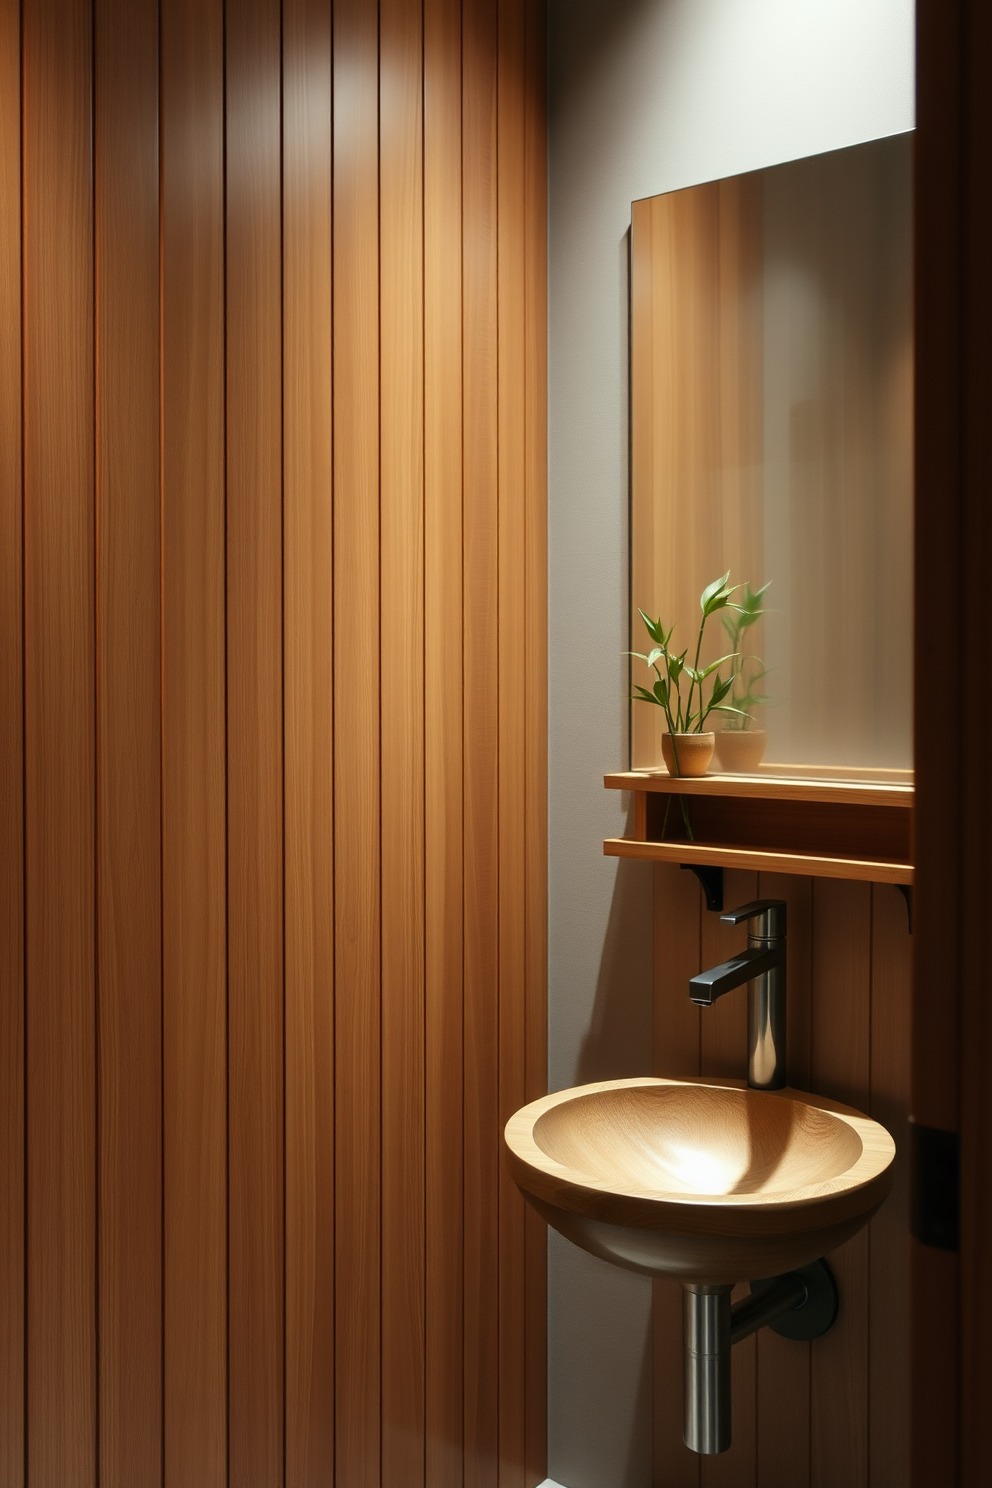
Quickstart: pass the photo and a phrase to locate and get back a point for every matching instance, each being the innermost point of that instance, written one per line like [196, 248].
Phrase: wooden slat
[254, 754]
[677, 911]
[840, 1069]
[356, 743]
[512, 662]
[402, 670]
[941, 313]
[764, 788]
[723, 1051]
[974, 800]
[59, 738]
[443, 736]
[536, 701]
[783, 1365]
[129, 725]
[812, 865]
[889, 1287]
[481, 723]
[309, 804]
[11, 766]
[194, 750]
[12, 1194]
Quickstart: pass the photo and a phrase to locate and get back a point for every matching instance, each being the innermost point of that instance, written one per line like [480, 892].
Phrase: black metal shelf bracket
[711, 878]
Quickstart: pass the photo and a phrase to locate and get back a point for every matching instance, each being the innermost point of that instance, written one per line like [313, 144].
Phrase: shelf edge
[809, 865]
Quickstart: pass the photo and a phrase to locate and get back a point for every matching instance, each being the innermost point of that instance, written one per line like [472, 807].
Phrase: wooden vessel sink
[702, 1180]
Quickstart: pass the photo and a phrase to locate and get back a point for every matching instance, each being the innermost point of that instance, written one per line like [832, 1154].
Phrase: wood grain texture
[129, 722]
[950, 132]
[888, 1243]
[840, 1068]
[723, 1051]
[974, 800]
[535, 228]
[783, 1365]
[357, 820]
[309, 743]
[481, 723]
[810, 864]
[254, 742]
[443, 721]
[401, 382]
[677, 912]
[512, 665]
[59, 740]
[12, 1093]
[194, 846]
[696, 414]
[765, 787]
[281, 273]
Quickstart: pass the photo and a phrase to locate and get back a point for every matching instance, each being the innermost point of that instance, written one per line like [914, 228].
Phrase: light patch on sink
[701, 1172]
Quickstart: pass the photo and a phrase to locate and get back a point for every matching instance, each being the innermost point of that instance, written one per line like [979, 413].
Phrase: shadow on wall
[618, 1040]
[600, 1347]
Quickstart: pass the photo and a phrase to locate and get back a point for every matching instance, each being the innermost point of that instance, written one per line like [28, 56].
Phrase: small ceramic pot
[740, 751]
[694, 753]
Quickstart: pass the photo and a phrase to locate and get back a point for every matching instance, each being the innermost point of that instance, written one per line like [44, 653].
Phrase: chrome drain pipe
[706, 1368]
[801, 1304]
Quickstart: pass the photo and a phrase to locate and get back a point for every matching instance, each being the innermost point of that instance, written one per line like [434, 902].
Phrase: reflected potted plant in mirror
[740, 746]
[687, 747]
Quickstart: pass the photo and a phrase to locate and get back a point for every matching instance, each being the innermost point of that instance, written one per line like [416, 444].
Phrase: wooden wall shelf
[821, 828]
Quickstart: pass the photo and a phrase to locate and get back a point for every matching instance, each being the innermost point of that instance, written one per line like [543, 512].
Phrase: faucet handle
[770, 914]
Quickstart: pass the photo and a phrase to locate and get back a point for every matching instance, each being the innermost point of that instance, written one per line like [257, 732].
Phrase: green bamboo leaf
[720, 690]
[718, 586]
[660, 691]
[714, 664]
[641, 695]
[654, 628]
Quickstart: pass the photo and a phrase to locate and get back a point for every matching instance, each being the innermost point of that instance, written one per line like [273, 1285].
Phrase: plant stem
[685, 818]
[692, 683]
[664, 822]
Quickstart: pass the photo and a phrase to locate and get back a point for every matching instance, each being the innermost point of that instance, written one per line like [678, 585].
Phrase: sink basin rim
[859, 1188]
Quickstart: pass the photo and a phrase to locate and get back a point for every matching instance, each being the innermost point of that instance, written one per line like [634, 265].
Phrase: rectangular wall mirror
[771, 435]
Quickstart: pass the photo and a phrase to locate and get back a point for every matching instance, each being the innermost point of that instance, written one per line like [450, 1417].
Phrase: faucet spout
[762, 966]
[705, 988]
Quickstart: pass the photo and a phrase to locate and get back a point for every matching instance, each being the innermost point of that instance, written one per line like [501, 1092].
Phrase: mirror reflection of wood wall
[771, 425]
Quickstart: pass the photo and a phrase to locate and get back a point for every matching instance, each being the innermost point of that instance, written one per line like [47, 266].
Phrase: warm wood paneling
[274, 275]
[254, 741]
[194, 810]
[480, 650]
[952, 1029]
[59, 740]
[535, 372]
[402, 749]
[309, 743]
[837, 1410]
[444, 771]
[357, 821]
[11, 767]
[129, 723]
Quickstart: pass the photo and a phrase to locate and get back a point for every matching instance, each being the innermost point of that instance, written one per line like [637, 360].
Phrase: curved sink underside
[704, 1181]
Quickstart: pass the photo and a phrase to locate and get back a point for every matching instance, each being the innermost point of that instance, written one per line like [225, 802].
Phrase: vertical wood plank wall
[272, 741]
[836, 1411]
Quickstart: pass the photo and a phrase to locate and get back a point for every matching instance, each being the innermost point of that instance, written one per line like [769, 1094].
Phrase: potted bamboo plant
[740, 745]
[687, 746]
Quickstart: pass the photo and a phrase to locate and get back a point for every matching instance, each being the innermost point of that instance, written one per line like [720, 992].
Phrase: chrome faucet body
[762, 966]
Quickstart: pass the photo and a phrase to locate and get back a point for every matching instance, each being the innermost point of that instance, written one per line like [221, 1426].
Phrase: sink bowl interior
[698, 1141]
[702, 1180]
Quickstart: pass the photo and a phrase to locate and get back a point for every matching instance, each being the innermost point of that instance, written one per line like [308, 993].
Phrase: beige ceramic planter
[694, 753]
[740, 751]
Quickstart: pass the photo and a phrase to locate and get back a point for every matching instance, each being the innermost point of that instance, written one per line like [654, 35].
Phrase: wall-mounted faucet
[762, 966]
